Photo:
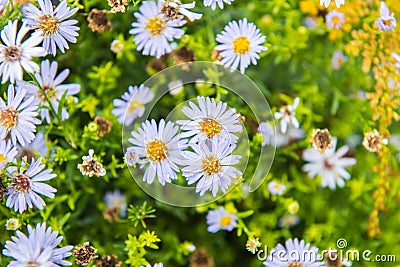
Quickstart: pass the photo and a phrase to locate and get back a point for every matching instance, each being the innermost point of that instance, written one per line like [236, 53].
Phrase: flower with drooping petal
[294, 253]
[240, 44]
[17, 118]
[27, 184]
[334, 19]
[131, 106]
[53, 87]
[213, 3]
[287, 116]
[210, 165]
[210, 118]
[172, 8]
[153, 32]
[220, 219]
[159, 148]
[15, 54]
[53, 24]
[39, 248]
[330, 165]
[386, 21]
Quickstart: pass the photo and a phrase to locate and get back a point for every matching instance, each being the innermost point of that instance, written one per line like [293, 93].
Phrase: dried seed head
[332, 260]
[84, 254]
[184, 55]
[3, 189]
[98, 20]
[170, 10]
[118, 5]
[201, 258]
[108, 261]
[373, 141]
[111, 214]
[105, 125]
[215, 56]
[321, 140]
[91, 166]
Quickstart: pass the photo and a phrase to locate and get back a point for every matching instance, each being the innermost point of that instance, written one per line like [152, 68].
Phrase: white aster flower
[8, 152]
[294, 253]
[39, 248]
[153, 32]
[267, 131]
[386, 21]
[210, 119]
[275, 188]
[117, 46]
[160, 148]
[338, 59]
[334, 19]
[330, 165]
[27, 184]
[15, 55]
[240, 44]
[131, 106]
[210, 166]
[287, 116]
[220, 219]
[12, 224]
[131, 157]
[252, 244]
[172, 8]
[17, 118]
[52, 24]
[213, 3]
[326, 3]
[175, 87]
[51, 84]
[116, 200]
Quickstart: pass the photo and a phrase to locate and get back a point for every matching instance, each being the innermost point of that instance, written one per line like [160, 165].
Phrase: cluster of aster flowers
[200, 148]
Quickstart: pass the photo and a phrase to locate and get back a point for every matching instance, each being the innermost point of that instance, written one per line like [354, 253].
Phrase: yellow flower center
[48, 24]
[134, 105]
[156, 25]
[21, 183]
[387, 22]
[225, 221]
[2, 158]
[295, 264]
[9, 118]
[12, 53]
[156, 150]
[336, 20]
[210, 127]
[32, 264]
[277, 186]
[211, 165]
[241, 45]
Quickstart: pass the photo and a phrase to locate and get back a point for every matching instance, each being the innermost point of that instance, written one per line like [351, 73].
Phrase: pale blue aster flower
[276, 188]
[153, 32]
[17, 117]
[27, 184]
[37, 145]
[220, 219]
[53, 87]
[115, 199]
[159, 149]
[338, 59]
[210, 165]
[15, 54]
[240, 44]
[213, 3]
[39, 248]
[386, 21]
[8, 152]
[334, 19]
[3, 6]
[210, 118]
[294, 253]
[132, 104]
[53, 24]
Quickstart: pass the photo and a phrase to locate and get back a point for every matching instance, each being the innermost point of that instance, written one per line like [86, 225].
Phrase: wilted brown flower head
[201, 258]
[108, 261]
[111, 214]
[170, 10]
[105, 125]
[84, 254]
[373, 141]
[90, 166]
[321, 140]
[184, 55]
[98, 20]
[118, 5]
